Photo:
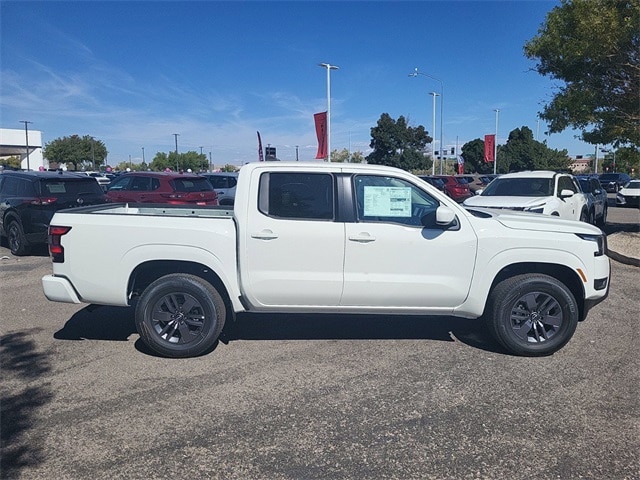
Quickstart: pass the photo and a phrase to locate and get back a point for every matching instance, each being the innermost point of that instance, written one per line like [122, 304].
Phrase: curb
[618, 257]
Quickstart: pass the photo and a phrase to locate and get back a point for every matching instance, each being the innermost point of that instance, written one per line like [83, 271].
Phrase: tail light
[56, 250]
[44, 201]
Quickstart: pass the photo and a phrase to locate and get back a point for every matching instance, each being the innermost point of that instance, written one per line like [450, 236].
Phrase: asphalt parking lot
[310, 397]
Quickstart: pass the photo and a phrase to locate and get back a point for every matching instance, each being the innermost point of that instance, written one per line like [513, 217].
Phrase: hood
[539, 222]
[505, 201]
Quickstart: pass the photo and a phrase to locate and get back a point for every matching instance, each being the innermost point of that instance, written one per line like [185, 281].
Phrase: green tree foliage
[180, 162]
[12, 162]
[627, 159]
[343, 156]
[473, 154]
[593, 46]
[521, 152]
[396, 144]
[82, 152]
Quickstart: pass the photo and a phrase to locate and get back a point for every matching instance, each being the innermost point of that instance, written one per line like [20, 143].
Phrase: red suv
[456, 187]
[161, 187]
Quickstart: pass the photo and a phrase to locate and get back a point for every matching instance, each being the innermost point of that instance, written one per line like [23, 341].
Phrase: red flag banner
[321, 133]
[489, 148]
[260, 154]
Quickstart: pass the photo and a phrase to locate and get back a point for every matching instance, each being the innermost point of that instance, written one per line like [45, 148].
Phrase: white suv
[541, 191]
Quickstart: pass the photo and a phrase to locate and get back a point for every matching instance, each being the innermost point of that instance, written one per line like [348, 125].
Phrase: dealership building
[25, 144]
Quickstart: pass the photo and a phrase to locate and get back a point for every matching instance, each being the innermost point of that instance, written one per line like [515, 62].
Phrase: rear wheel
[180, 315]
[18, 243]
[532, 315]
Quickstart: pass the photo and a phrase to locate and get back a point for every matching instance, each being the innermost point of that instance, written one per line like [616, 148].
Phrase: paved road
[308, 397]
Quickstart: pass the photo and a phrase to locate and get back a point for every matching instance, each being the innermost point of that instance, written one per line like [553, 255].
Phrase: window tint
[191, 184]
[392, 200]
[121, 183]
[70, 187]
[519, 187]
[297, 195]
[140, 184]
[565, 183]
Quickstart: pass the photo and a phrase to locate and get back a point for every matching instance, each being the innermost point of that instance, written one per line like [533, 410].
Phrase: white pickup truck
[332, 238]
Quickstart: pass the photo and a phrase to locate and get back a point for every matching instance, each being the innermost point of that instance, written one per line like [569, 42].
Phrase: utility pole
[177, 165]
[26, 135]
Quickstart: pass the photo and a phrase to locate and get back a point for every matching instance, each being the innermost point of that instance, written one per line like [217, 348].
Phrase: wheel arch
[148, 272]
[561, 273]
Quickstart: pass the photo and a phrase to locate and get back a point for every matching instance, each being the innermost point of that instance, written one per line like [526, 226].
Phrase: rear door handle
[264, 235]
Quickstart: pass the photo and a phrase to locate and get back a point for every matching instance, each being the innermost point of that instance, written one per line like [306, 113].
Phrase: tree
[343, 156]
[473, 154]
[521, 152]
[12, 162]
[626, 159]
[82, 152]
[180, 162]
[593, 46]
[398, 145]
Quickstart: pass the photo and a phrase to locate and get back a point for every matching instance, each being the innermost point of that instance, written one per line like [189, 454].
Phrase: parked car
[545, 192]
[436, 182]
[612, 182]
[456, 187]
[162, 187]
[224, 183]
[597, 197]
[476, 181]
[102, 179]
[629, 194]
[28, 200]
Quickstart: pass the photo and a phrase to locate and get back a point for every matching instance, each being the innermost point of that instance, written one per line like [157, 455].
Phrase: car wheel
[180, 315]
[602, 221]
[585, 217]
[532, 315]
[18, 243]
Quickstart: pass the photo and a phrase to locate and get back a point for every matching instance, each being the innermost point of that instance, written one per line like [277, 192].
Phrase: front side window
[305, 196]
[393, 200]
[566, 183]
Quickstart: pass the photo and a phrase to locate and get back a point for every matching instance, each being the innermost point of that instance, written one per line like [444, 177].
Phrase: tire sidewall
[16, 240]
[203, 292]
[502, 316]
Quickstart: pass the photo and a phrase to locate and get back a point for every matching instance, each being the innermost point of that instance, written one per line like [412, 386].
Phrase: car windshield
[633, 184]
[519, 187]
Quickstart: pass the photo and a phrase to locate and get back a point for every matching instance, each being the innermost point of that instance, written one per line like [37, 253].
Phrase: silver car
[224, 183]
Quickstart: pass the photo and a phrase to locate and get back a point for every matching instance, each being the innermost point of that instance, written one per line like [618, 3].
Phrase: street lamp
[329, 67]
[415, 74]
[143, 155]
[433, 139]
[26, 135]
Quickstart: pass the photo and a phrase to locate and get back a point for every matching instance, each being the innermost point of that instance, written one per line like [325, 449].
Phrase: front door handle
[363, 237]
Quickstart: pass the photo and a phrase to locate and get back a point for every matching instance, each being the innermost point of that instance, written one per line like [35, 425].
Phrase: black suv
[28, 200]
[612, 182]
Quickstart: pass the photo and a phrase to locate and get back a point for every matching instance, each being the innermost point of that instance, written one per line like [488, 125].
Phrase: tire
[16, 239]
[180, 315]
[585, 217]
[602, 221]
[532, 315]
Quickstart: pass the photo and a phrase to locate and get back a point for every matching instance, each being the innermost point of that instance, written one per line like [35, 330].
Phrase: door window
[305, 196]
[393, 200]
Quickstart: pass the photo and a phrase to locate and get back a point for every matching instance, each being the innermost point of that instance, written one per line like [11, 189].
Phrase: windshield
[635, 184]
[519, 187]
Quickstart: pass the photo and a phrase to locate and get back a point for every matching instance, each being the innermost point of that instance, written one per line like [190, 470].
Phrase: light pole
[433, 139]
[495, 145]
[415, 74]
[329, 67]
[297, 153]
[177, 165]
[143, 155]
[26, 137]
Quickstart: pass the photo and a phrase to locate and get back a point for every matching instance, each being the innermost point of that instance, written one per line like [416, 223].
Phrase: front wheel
[180, 315]
[532, 315]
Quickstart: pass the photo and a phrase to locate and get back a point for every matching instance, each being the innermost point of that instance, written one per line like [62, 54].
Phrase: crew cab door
[292, 251]
[393, 260]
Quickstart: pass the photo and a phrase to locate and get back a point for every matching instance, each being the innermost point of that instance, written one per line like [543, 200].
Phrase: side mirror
[566, 193]
[479, 191]
[445, 217]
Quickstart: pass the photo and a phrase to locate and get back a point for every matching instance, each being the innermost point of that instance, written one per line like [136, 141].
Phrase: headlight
[600, 240]
[535, 209]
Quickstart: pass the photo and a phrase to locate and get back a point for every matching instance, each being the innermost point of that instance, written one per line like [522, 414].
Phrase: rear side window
[70, 187]
[191, 184]
[305, 196]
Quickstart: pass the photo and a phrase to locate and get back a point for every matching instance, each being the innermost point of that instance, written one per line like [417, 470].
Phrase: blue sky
[134, 73]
